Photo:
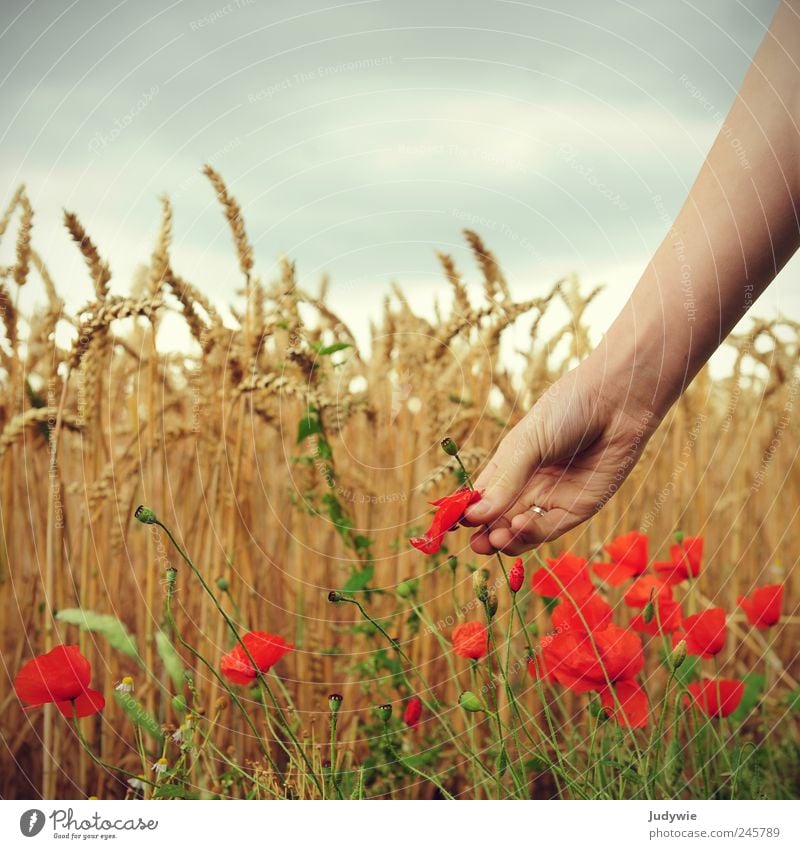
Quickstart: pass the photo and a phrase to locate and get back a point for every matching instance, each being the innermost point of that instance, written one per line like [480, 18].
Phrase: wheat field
[207, 436]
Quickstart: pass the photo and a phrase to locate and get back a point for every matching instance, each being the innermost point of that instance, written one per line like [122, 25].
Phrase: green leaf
[308, 425]
[753, 684]
[139, 715]
[358, 581]
[172, 662]
[109, 626]
[173, 791]
[332, 349]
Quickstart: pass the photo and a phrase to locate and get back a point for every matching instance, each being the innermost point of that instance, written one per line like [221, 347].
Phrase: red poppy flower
[470, 639]
[62, 677]
[763, 608]
[413, 712]
[629, 555]
[567, 575]
[516, 576]
[606, 662]
[704, 632]
[594, 609]
[638, 593]
[717, 697]
[685, 561]
[266, 650]
[667, 618]
[450, 510]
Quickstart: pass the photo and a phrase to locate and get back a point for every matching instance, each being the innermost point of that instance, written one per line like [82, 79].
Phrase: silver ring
[539, 511]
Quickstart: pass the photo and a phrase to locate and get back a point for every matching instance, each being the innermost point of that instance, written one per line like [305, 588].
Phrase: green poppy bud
[678, 655]
[145, 515]
[222, 584]
[334, 702]
[491, 603]
[649, 610]
[384, 712]
[471, 703]
[449, 446]
[406, 589]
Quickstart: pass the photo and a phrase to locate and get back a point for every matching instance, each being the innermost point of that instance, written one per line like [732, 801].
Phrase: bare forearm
[736, 230]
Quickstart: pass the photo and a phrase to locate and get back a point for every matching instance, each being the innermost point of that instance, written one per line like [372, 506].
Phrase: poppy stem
[101, 763]
[220, 680]
[235, 631]
[433, 703]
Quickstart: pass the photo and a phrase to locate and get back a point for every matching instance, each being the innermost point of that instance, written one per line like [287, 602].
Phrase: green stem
[235, 631]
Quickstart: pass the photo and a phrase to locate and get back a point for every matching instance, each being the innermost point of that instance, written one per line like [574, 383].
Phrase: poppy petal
[88, 703]
[627, 703]
[61, 674]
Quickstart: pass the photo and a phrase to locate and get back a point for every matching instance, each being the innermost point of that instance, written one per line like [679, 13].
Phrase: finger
[480, 542]
[480, 484]
[515, 459]
[529, 530]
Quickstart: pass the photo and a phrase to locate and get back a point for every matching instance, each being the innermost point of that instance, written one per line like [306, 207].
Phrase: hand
[568, 456]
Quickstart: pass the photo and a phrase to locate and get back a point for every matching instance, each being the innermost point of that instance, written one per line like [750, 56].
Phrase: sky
[362, 137]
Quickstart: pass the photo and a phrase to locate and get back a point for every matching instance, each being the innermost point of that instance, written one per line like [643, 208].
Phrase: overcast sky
[361, 137]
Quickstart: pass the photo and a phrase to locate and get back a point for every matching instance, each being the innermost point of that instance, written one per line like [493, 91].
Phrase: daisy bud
[678, 655]
[491, 603]
[470, 703]
[223, 584]
[384, 712]
[334, 702]
[516, 576]
[449, 446]
[480, 583]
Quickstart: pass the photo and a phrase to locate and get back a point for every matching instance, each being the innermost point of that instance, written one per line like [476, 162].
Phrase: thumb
[505, 478]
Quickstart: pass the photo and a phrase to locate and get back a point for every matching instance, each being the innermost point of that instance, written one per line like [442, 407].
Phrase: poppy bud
[480, 583]
[678, 655]
[452, 562]
[491, 603]
[334, 702]
[516, 576]
[449, 446]
[171, 576]
[649, 610]
[222, 584]
[470, 703]
[145, 515]
[334, 597]
[406, 589]
[385, 712]
[679, 536]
